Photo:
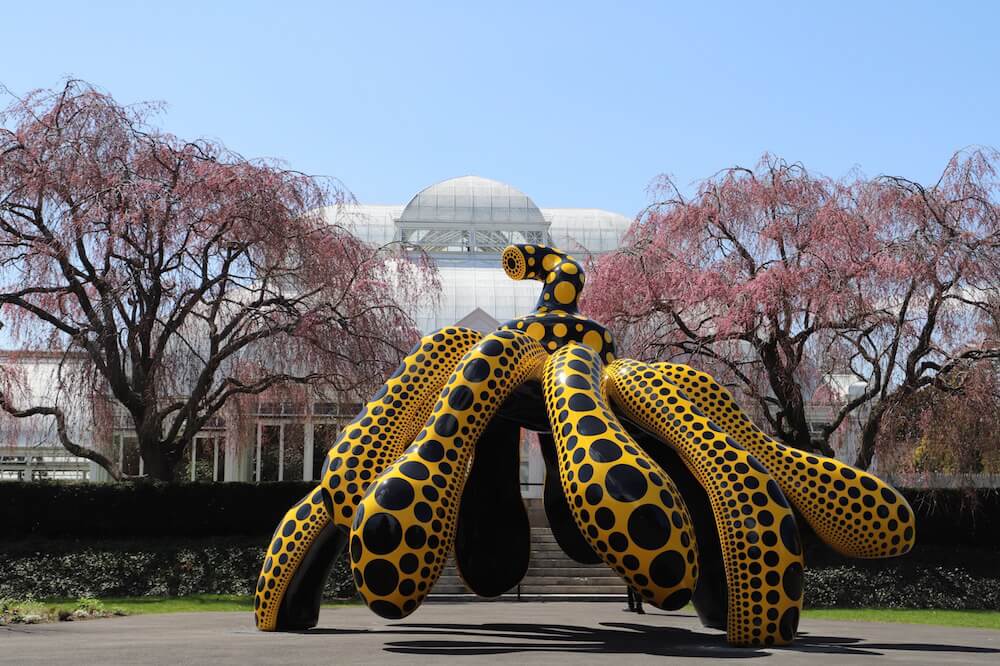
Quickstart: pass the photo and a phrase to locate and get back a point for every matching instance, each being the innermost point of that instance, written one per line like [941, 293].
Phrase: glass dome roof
[475, 201]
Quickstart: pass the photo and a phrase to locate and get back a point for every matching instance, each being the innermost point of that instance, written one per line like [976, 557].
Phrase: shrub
[42, 569]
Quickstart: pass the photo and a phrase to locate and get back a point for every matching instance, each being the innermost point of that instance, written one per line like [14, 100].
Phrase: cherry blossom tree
[184, 275]
[788, 284]
[955, 431]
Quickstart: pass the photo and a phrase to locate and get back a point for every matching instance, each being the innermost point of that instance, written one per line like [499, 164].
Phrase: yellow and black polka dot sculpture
[651, 468]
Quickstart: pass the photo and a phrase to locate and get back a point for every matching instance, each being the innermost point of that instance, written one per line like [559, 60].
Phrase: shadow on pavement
[453, 639]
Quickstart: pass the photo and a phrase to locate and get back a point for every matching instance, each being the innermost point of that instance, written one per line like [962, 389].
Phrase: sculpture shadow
[613, 638]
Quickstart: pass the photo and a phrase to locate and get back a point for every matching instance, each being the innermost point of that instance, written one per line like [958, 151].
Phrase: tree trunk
[789, 395]
[869, 435]
[157, 463]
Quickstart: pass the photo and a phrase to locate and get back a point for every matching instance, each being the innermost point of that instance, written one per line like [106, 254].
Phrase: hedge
[46, 569]
[144, 509]
[117, 511]
[928, 578]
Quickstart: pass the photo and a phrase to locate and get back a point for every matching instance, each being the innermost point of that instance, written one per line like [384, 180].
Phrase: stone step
[545, 581]
[554, 572]
[617, 598]
[554, 561]
[578, 570]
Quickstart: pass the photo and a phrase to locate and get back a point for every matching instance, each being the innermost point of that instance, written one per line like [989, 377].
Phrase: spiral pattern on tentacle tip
[404, 527]
[625, 505]
[856, 513]
[760, 540]
[374, 438]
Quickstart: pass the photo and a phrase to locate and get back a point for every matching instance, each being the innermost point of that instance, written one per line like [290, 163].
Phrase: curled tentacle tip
[514, 262]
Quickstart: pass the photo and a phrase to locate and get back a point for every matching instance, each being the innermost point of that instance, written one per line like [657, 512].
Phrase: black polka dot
[791, 581]
[386, 609]
[604, 450]
[775, 492]
[667, 569]
[491, 347]
[460, 398]
[414, 470]
[431, 451]
[789, 623]
[422, 511]
[415, 537]
[790, 535]
[625, 483]
[649, 527]
[591, 425]
[605, 518]
[303, 512]
[381, 577]
[408, 563]
[446, 425]
[581, 403]
[678, 599]
[382, 533]
[394, 494]
[477, 370]
[594, 493]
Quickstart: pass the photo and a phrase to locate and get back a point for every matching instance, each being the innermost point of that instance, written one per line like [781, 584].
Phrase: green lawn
[189, 604]
[950, 618]
[232, 602]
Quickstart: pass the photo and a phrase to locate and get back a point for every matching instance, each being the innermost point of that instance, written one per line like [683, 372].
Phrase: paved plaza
[514, 633]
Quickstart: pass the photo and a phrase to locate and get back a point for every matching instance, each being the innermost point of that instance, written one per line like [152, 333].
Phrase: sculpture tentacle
[562, 274]
[856, 513]
[404, 527]
[627, 507]
[313, 532]
[555, 321]
[760, 541]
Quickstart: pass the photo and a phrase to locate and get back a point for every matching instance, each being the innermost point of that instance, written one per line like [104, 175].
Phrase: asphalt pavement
[479, 633]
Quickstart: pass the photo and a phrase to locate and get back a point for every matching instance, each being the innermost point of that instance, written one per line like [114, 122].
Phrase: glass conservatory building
[463, 223]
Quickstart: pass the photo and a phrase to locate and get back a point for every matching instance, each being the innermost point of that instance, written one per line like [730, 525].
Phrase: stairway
[551, 576]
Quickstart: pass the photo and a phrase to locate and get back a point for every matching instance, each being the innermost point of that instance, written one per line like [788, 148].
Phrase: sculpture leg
[856, 513]
[404, 527]
[493, 536]
[760, 540]
[709, 599]
[627, 507]
[562, 524]
[313, 533]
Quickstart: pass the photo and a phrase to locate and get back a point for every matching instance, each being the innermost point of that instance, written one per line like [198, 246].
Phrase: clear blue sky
[578, 104]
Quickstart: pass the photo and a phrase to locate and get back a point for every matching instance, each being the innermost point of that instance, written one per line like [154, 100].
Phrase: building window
[324, 434]
[278, 455]
[206, 460]
[129, 460]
